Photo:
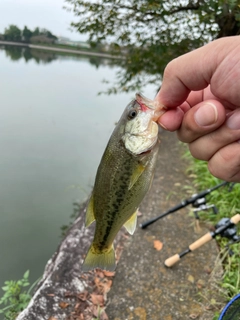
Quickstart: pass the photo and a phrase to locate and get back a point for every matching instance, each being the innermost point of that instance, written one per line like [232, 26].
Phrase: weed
[228, 205]
[15, 298]
[99, 312]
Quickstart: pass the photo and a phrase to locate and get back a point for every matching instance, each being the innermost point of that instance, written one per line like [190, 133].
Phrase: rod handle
[235, 219]
[198, 243]
[169, 262]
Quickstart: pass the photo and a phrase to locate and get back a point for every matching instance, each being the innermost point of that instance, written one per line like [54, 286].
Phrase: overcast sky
[47, 14]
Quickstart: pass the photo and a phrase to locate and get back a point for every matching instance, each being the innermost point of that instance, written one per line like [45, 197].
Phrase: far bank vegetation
[13, 33]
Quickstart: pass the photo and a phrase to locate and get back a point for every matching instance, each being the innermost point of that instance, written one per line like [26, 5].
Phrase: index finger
[192, 72]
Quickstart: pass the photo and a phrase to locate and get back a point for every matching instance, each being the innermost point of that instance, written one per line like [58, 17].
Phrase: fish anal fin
[135, 176]
[131, 223]
[90, 213]
[104, 260]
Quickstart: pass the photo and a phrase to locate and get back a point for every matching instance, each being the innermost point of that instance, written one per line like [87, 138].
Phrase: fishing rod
[225, 228]
[184, 203]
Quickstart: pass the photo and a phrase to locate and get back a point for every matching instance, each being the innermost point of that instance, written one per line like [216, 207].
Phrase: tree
[151, 33]
[27, 34]
[12, 33]
[36, 32]
[48, 34]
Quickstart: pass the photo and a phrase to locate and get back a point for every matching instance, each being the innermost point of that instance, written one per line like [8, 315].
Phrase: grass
[227, 203]
[15, 297]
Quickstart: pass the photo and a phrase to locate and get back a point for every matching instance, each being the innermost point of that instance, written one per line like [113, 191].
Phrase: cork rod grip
[207, 237]
[169, 262]
[235, 219]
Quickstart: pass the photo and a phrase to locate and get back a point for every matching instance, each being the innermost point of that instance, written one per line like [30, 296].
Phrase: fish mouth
[146, 152]
[146, 105]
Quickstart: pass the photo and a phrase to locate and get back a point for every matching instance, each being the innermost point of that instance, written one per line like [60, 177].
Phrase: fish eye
[132, 114]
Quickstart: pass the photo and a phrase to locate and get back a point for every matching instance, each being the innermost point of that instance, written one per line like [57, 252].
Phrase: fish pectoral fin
[135, 176]
[131, 223]
[90, 213]
[104, 260]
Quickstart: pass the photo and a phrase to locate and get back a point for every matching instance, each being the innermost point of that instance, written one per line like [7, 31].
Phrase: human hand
[201, 90]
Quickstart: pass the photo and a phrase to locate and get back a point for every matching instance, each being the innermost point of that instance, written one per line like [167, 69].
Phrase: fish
[122, 180]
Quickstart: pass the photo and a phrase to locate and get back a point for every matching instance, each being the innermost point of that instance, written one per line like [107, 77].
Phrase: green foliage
[151, 33]
[36, 32]
[48, 34]
[216, 316]
[27, 34]
[12, 33]
[100, 312]
[231, 277]
[15, 298]
[227, 202]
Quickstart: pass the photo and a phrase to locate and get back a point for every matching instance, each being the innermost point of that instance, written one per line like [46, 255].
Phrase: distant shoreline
[49, 48]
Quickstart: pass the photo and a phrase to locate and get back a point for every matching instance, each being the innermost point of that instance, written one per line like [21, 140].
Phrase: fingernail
[206, 115]
[233, 122]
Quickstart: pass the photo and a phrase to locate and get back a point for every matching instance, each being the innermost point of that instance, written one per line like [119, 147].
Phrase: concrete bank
[54, 49]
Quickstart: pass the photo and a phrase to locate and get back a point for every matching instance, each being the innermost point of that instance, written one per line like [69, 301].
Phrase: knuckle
[185, 134]
[170, 68]
[225, 164]
[199, 152]
[214, 171]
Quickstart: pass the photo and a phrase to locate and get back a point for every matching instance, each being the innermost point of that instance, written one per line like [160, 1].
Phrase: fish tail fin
[102, 260]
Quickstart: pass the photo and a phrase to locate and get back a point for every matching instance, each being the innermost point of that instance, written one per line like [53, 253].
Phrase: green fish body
[122, 180]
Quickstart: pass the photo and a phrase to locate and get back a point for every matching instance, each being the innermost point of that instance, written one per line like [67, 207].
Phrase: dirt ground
[143, 288]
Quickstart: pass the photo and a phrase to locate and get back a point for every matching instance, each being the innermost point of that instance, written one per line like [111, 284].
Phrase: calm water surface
[53, 130]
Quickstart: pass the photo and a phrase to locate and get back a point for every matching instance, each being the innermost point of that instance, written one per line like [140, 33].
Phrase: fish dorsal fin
[131, 223]
[90, 213]
[135, 176]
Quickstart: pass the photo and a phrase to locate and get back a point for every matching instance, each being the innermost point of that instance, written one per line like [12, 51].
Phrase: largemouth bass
[122, 180]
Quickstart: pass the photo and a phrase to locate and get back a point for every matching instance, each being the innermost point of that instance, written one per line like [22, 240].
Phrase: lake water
[53, 130]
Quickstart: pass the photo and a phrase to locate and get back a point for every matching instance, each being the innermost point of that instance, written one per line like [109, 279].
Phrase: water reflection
[39, 56]
[16, 53]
